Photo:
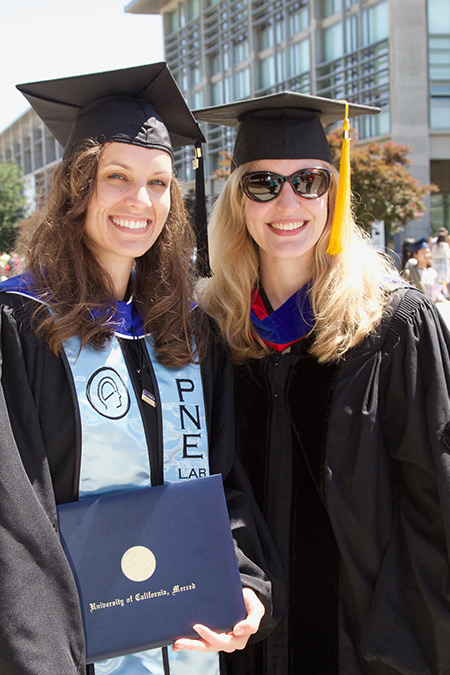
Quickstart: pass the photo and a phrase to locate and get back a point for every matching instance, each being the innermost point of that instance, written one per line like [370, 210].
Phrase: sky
[46, 39]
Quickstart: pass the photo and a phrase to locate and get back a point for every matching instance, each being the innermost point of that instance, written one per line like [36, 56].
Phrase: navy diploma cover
[150, 563]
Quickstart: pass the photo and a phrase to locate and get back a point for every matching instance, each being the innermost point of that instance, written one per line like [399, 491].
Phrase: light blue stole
[111, 422]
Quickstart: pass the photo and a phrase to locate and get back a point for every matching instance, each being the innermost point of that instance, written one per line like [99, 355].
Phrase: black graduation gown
[350, 465]
[40, 619]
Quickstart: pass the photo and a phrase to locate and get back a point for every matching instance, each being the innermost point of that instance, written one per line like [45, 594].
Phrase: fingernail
[198, 628]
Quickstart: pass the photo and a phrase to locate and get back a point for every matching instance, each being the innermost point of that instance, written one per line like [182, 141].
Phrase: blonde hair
[348, 292]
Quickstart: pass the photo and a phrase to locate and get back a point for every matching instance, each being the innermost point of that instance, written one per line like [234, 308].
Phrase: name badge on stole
[184, 420]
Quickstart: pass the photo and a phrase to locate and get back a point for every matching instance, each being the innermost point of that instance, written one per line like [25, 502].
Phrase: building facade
[30, 144]
[390, 53]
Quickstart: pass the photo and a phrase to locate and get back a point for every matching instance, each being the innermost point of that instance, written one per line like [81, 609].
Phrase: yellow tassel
[340, 231]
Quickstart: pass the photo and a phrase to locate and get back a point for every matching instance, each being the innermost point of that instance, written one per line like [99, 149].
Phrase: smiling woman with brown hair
[107, 286]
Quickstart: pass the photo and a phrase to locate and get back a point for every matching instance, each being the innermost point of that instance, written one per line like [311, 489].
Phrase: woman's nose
[139, 195]
[288, 199]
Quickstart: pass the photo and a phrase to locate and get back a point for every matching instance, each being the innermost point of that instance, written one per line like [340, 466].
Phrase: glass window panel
[333, 44]
[226, 57]
[330, 7]
[265, 36]
[242, 83]
[38, 159]
[197, 99]
[241, 51]
[196, 74]
[300, 59]
[50, 150]
[281, 65]
[438, 16]
[437, 212]
[216, 93]
[439, 58]
[279, 31]
[351, 34]
[228, 91]
[298, 20]
[376, 23]
[214, 64]
[267, 70]
[440, 113]
[193, 8]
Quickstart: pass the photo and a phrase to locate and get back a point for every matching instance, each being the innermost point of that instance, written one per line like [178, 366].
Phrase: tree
[382, 187]
[12, 203]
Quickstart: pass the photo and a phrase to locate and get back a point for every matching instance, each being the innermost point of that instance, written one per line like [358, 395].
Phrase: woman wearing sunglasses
[342, 400]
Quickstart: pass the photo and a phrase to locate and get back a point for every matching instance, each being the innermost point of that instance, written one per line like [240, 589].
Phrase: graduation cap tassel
[340, 230]
[200, 213]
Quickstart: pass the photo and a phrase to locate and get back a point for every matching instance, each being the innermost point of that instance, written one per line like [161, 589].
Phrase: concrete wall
[409, 91]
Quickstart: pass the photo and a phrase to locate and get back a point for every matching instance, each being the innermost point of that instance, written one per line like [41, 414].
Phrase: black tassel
[201, 225]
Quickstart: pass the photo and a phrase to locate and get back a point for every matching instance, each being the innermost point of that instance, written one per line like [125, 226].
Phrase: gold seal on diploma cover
[138, 563]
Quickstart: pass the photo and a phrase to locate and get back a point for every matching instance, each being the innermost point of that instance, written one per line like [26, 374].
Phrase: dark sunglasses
[262, 186]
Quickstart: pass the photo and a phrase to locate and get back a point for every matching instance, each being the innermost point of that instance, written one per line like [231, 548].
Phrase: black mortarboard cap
[286, 125]
[418, 244]
[141, 106]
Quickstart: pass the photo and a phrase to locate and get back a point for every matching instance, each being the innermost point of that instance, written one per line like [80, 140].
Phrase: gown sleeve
[409, 621]
[259, 563]
[40, 620]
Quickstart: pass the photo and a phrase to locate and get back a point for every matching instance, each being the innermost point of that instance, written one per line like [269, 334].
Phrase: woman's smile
[130, 223]
[288, 227]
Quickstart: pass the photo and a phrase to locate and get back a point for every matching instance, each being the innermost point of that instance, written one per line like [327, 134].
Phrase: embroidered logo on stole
[111, 420]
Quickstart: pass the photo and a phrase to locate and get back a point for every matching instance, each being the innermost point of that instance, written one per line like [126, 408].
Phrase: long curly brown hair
[56, 252]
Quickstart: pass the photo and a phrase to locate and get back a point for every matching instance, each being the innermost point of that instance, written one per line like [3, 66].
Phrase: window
[440, 112]
[439, 63]
[298, 19]
[171, 21]
[216, 93]
[375, 23]
[214, 63]
[330, 7]
[193, 9]
[333, 44]
[267, 71]
[241, 50]
[351, 34]
[438, 17]
[279, 30]
[280, 66]
[227, 90]
[197, 100]
[226, 57]
[299, 57]
[242, 83]
[266, 36]
[196, 74]
[440, 210]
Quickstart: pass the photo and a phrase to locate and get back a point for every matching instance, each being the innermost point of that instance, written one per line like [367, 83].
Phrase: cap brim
[329, 111]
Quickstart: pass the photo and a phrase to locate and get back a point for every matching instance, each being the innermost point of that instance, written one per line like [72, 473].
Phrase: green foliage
[382, 187]
[12, 203]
